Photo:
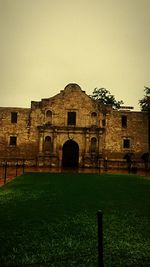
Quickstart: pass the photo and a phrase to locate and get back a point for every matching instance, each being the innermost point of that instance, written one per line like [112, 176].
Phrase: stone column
[87, 143]
[41, 143]
[100, 144]
[60, 156]
[55, 142]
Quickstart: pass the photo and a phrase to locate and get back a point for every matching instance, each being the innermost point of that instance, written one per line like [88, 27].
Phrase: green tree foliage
[105, 97]
[145, 101]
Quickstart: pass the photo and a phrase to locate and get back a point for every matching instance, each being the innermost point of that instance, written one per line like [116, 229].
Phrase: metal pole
[23, 166]
[99, 165]
[16, 168]
[100, 238]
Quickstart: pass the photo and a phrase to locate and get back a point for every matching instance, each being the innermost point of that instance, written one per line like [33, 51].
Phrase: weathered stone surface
[136, 131]
[42, 130]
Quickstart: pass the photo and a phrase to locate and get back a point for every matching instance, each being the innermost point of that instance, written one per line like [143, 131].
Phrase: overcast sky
[46, 44]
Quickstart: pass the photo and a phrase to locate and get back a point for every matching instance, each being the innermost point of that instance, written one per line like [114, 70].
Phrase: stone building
[71, 129]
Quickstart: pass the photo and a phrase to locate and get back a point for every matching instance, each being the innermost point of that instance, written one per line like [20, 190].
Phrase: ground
[51, 218]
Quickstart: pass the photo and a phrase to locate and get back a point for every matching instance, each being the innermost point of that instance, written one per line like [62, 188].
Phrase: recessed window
[103, 122]
[13, 117]
[49, 116]
[13, 141]
[48, 113]
[126, 143]
[93, 114]
[71, 118]
[124, 121]
[47, 144]
[93, 144]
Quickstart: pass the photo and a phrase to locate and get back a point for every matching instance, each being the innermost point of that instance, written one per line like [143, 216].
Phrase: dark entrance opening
[70, 157]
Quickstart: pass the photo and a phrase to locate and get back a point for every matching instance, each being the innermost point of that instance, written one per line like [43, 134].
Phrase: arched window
[93, 144]
[93, 114]
[49, 116]
[48, 144]
[48, 113]
[93, 119]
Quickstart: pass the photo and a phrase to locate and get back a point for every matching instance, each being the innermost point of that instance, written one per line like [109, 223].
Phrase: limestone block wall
[55, 125]
[117, 135]
[115, 132]
[69, 100]
[20, 130]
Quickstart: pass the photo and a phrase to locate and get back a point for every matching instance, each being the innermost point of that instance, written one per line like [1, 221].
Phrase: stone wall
[20, 130]
[136, 131]
[114, 133]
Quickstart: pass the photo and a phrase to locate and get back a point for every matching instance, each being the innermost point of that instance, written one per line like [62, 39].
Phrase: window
[126, 143]
[71, 118]
[48, 144]
[49, 116]
[93, 114]
[93, 119]
[93, 144]
[124, 121]
[13, 117]
[103, 122]
[13, 141]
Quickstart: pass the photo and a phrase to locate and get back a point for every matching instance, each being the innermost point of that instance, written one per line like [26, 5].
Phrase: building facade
[71, 129]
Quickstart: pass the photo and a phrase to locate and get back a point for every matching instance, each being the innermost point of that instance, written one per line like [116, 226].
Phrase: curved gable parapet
[71, 97]
[72, 87]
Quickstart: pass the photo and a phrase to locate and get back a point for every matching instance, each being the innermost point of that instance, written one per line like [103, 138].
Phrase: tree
[105, 97]
[145, 106]
[145, 101]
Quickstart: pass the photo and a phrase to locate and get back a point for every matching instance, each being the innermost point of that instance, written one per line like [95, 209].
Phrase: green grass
[51, 218]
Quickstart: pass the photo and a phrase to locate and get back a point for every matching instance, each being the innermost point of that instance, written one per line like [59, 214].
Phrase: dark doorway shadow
[70, 157]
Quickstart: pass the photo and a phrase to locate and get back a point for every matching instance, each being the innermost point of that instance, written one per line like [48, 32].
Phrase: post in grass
[100, 238]
[16, 168]
[5, 171]
[23, 166]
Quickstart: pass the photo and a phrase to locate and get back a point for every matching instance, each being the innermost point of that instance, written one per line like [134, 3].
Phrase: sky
[47, 44]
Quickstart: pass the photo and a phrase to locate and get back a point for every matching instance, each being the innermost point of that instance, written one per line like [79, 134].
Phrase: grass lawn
[51, 218]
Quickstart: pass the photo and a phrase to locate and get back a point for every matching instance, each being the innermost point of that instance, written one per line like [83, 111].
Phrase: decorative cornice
[72, 129]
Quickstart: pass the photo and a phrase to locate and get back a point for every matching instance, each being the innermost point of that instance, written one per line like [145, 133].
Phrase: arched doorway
[70, 156]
